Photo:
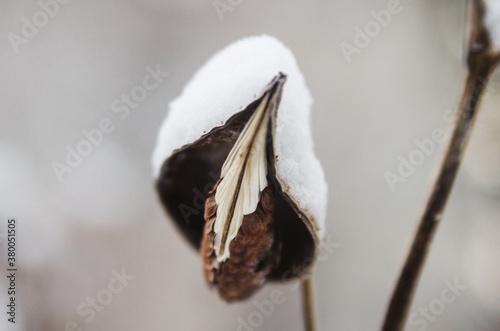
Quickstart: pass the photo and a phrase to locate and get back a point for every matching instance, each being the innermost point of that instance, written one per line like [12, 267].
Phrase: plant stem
[308, 304]
[480, 69]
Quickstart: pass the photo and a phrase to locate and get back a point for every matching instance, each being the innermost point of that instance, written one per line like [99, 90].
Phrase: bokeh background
[104, 216]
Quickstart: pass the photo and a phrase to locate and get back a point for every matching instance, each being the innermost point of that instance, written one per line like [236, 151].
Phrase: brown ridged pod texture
[254, 252]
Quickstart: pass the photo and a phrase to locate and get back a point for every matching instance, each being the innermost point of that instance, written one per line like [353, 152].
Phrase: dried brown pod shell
[229, 196]
[254, 251]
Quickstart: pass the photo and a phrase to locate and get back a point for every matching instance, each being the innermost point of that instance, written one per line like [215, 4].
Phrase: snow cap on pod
[226, 84]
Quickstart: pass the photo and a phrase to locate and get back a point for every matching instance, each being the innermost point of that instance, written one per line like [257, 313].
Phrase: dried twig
[481, 63]
[405, 288]
[308, 304]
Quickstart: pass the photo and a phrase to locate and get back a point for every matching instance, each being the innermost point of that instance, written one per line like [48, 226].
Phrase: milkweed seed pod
[235, 168]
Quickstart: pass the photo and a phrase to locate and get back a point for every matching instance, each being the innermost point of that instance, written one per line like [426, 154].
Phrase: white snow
[492, 22]
[225, 85]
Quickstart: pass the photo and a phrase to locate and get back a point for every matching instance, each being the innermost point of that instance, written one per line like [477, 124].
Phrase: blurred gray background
[104, 216]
